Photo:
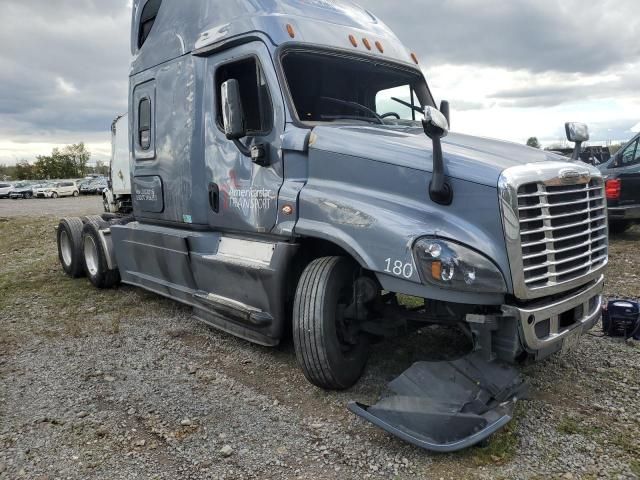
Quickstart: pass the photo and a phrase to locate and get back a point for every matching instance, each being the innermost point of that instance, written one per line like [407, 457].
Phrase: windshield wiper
[357, 106]
[349, 117]
[407, 104]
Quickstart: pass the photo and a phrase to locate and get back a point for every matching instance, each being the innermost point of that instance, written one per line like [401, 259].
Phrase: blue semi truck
[290, 172]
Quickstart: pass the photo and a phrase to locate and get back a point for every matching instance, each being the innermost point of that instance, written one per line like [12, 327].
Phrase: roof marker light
[366, 43]
[379, 45]
[353, 40]
[415, 58]
[291, 31]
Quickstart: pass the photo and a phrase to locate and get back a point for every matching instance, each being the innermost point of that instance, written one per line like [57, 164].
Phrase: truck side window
[384, 104]
[254, 91]
[147, 19]
[630, 154]
[144, 124]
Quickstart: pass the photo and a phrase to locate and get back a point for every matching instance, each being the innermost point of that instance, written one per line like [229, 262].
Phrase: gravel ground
[123, 384]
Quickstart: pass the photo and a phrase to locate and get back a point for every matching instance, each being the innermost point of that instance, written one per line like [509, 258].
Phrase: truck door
[242, 194]
[628, 172]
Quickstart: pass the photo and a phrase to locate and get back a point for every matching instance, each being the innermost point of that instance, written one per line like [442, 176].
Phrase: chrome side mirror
[435, 124]
[232, 115]
[577, 132]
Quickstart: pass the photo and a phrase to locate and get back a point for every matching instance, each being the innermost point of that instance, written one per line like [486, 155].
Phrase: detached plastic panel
[447, 406]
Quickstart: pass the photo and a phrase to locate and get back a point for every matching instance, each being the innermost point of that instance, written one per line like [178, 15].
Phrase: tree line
[68, 162]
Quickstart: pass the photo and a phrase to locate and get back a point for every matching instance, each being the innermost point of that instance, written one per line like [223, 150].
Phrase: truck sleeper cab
[287, 168]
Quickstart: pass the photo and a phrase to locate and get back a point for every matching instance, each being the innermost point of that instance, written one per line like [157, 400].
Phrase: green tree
[24, 170]
[533, 142]
[7, 172]
[76, 157]
[70, 162]
[44, 167]
[101, 168]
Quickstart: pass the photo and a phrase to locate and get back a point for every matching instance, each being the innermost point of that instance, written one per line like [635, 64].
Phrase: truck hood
[475, 159]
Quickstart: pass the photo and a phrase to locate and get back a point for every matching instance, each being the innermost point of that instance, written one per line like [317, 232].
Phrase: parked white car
[5, 190]
[55, 190]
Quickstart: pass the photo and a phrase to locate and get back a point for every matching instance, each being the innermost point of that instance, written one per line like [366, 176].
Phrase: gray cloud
[543, 35]
[63, 67]
[625, 84]
[64, 63]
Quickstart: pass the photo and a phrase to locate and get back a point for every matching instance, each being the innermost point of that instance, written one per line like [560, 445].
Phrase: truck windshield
[328, 87]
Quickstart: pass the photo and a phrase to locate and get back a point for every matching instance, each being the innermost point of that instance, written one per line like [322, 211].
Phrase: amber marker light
[291, 31]
[379, 46]
[415, 58]
[366, 43]
[287, 209]
[436, 270]
[353, 40]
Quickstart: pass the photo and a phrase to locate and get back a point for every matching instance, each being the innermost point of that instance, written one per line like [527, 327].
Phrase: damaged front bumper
[447, 406]
[545, 327]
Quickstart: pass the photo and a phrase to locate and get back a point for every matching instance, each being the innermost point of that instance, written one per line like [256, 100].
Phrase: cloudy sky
[511, 68]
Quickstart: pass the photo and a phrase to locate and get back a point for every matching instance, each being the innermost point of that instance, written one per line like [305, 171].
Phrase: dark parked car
[622, 180]
[93, 187]
[22, 190]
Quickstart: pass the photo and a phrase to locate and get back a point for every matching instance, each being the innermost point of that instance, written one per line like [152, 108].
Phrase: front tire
[54, 195]
[76, 193]
[327, 359]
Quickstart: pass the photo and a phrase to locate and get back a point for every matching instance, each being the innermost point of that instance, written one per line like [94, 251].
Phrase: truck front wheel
[329, 348]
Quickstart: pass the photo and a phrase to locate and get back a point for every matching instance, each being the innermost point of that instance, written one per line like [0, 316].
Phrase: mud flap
[447, 406]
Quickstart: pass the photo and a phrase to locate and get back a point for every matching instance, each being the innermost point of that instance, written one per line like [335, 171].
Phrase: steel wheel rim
[65, 247]
[91, 255]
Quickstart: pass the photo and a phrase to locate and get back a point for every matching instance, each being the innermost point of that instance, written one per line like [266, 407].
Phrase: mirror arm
[576, 151]
[257, 153]
[439, 190]
[244, 150]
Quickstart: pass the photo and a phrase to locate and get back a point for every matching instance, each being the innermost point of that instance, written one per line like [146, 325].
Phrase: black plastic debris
[447, 406]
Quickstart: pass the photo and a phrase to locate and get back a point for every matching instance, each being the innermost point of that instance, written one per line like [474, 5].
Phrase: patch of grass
[634, 466]
[41, 300]
[626, 441]
[409, 301]
[568, 426]
[573, 426]
[500, 448]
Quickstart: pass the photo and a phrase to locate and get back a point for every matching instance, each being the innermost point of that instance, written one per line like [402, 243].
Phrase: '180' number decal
[398, 268]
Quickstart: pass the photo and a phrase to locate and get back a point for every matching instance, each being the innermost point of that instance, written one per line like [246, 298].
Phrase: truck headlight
[447, 264]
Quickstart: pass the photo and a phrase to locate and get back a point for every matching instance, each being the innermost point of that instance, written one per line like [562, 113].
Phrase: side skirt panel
[234, 284]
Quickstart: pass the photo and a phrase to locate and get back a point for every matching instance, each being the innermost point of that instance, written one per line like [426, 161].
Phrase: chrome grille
[556, 229]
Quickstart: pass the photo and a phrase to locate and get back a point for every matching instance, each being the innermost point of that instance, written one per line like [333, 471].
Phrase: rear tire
[327, 361]
[95, 258]
[69, 239]
[617, 227]
[96, 220]
[76, 193]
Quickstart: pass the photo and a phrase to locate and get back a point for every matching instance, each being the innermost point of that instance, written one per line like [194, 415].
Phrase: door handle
[214, 197]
